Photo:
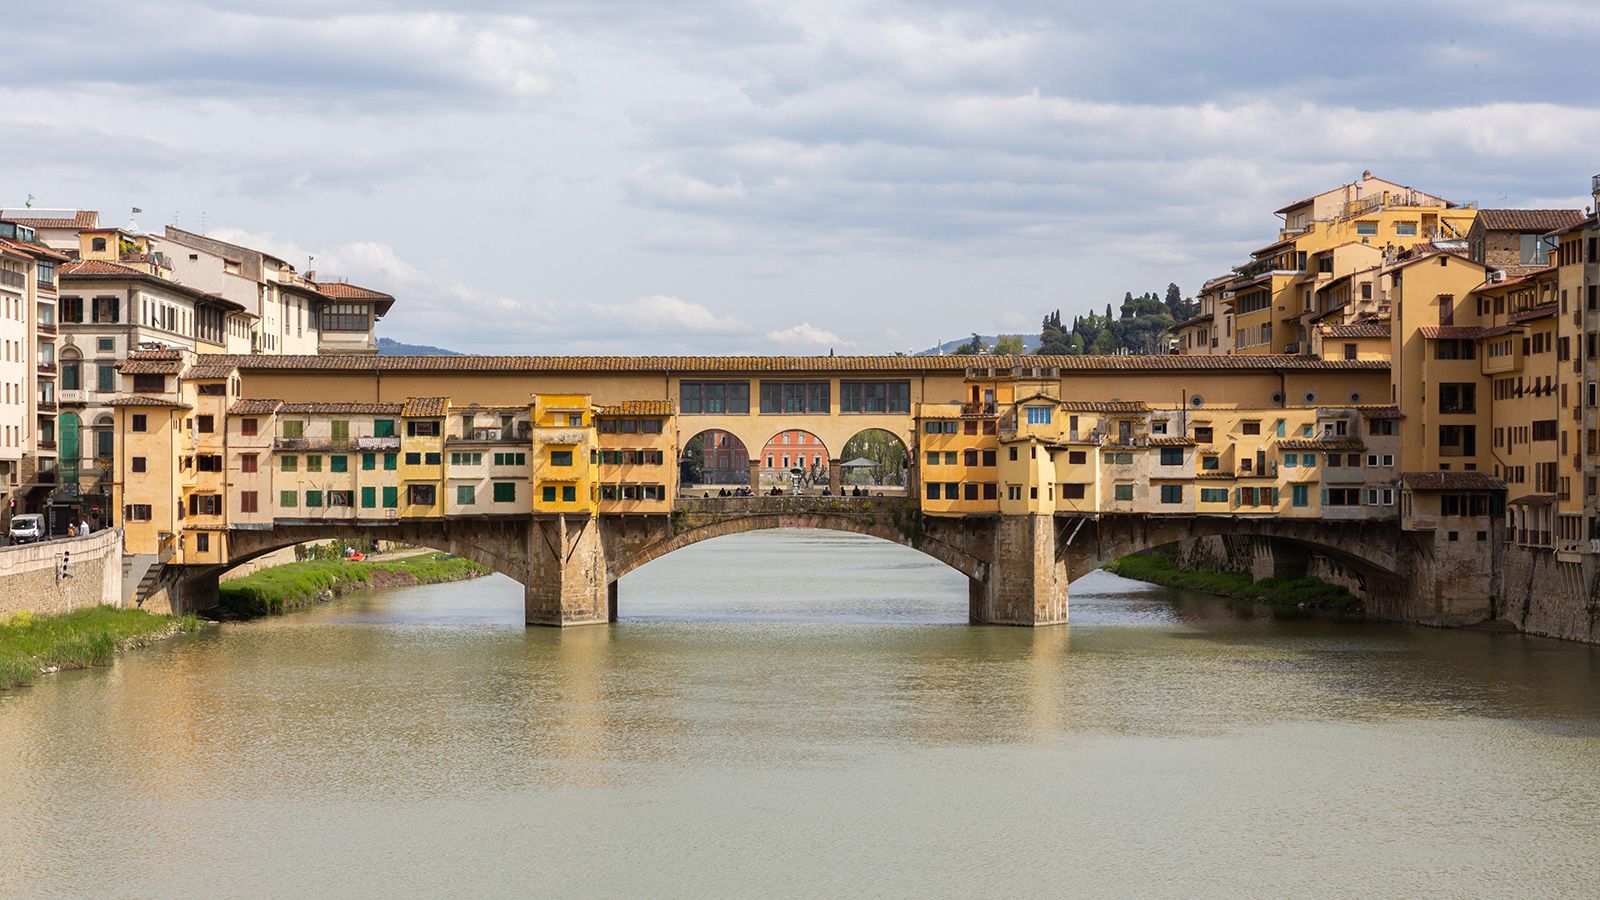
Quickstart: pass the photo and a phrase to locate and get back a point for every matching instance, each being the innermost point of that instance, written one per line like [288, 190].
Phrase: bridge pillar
[566, 582]
[1276, 559]
[1026, 583]
[835, 477]
[755, 477]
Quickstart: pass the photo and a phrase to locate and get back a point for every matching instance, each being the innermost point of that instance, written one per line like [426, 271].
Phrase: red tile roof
[254, 407]
[1450, 332]
[1535, 220]
[344, 290]
[667, 365]
[1450, 481]
[82, 219]
[208, 371]
[1533, 312]
[1320, 444]
[1358, 330]
[89, 267]
[379, 409]
[151, 366]
[638, 408]
[37, 251]
[425, 407]
[144, 400]
[1119, 406]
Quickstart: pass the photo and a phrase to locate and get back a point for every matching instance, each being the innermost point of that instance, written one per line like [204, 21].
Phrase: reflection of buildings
[725, 460]
[795, 449]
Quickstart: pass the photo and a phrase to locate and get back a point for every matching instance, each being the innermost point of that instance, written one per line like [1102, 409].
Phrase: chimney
[311, 275]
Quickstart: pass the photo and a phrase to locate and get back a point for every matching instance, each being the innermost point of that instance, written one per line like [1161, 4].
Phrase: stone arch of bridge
[1374, 551]
[621, 561]
[498, 545]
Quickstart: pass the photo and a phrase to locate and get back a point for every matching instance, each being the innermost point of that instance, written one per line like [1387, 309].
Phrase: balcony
[47, 328]
[47, 406]
[13, 279]
[389, 442]
[47, 445]
[495, 435]
[978, 409]
[47, 368]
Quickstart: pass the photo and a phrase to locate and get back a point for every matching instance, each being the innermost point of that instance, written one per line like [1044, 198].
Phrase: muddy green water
[807, 714]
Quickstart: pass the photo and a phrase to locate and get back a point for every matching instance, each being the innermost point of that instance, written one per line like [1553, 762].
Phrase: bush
[1283, 595]
[281, 589]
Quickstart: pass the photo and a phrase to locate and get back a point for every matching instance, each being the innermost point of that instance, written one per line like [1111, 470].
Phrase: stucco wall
[29, 574]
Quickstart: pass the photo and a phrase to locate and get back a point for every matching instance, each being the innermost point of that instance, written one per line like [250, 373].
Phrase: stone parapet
[31, 574]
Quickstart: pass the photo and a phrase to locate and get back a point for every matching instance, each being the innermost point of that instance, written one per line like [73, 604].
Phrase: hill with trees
[1138, 326]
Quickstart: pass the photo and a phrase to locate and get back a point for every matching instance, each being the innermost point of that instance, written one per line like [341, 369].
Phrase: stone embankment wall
[1540, 595]
[30, 574]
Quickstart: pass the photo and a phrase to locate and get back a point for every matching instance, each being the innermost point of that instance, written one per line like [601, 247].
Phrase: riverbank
[1285, 596]
[296, 585]
[33, 645]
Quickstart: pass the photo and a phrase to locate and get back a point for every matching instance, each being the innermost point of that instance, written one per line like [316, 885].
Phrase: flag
[137, 210]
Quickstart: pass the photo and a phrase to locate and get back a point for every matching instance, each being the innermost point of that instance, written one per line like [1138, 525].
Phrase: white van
[27, 528]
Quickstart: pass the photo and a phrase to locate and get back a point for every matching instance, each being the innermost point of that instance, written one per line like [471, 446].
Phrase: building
[1517, 241]
[29, 278]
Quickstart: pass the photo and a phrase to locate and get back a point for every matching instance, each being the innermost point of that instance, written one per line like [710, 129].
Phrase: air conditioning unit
[1498, 275]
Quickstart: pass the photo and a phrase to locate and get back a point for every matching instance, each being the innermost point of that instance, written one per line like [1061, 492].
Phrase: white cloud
[807, 335]
[662, 314]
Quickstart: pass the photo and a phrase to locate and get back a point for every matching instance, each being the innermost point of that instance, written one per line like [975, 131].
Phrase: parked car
[27, 528]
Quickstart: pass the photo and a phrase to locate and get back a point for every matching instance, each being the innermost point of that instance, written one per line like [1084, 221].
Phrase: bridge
[1018, 568]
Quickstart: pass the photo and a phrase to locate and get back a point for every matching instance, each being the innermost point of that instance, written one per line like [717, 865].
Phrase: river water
[807, 714]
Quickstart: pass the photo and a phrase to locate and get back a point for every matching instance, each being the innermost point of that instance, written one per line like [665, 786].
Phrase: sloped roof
[151, 367]
[425, 407]
[1533, 312]
[665, 365]
[638, 408]
[1450, 332]
[81, 219]
[1532, 220]
[254, 407]
[354, 409]
[1321, 444]
[1117, 406]
[1358, 330]
[88, 267]
[208, 370]
[1450, 481]
[146, 400]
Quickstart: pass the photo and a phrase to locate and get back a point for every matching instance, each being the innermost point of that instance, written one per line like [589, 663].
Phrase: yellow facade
[422, 481]
[566, 456]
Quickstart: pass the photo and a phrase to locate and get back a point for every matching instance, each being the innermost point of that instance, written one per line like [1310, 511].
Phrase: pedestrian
[72, 530]
[83, 527]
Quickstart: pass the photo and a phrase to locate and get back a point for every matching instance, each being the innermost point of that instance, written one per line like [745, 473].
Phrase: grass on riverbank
[288, 587]
[32, 644]
[1283, 595]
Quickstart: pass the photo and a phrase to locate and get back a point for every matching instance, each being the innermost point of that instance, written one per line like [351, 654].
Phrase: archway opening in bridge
[875, 460]
[713, 459]
[794, 461]
[795, 575]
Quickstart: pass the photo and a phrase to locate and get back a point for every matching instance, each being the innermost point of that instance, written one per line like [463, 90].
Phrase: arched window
[104, 434]
[71, 370]
[98, 245]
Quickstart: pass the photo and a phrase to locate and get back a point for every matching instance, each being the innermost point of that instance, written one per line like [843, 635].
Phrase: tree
[1175, 302]
[1104, 344]
[1008, 345]
[1052, 337]
[971, 347]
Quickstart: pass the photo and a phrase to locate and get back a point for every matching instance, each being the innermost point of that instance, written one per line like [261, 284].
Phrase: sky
[712, 177]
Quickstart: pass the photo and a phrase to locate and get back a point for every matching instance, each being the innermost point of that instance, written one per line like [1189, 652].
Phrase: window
[1249, 427]
[1039, 415]
[145, 384]
[933, 458]
[208, 463]
[950, 458]
[569, 493]
[1292, 460]
[106, 378]
[1158, 426]
[247, 427]
[1299, 495]
[1077, 457]
[560, 457]
[391, 497]
[341, 498]
[1210, 463]
[313, 499]
[875, 397]
[1458, 397]
[383, 428]
[1172, 456]
[1366, 228]
[969, 458]
[249, 502]
[1172, 493]
[369, 498]
[136, 512]
[389, 461]
[1343, 497]
[346, 317]
[288, 499]
[505, 492]
[369, 462]
[421, 494]
[137, 464]
[71, 373]
[288, 463]
[1202, 434]
[1380, 426]
[294, 428]
[413, 459]
[432, 459]
[1122, 492]
[794, 397]
[947, 427]
[338, 463]
[423, 428]
[714, 397]
[313, 462]
[1211, 495]
[465, 494]
[1405, 229]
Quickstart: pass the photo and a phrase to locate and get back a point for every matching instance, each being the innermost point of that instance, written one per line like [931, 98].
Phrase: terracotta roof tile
[254, 407]
[1381, 412]
[1321, 444]
[1536, 312]
[82, 219]
[344, 290]
[1357, 330]
[37, 251]
[1535, 220]
[1450, 332]
[354, 409]
[209, 370]
[85, 268]
[1120, 406]
[151, 367]
[638, 408]
[145, 400]
[1171, 441]
[425, 407]
[1450, 481]
[353, 362]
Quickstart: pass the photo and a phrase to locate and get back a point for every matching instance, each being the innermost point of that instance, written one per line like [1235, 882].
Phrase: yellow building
[566, 455]
[422, 480]
[638, 471]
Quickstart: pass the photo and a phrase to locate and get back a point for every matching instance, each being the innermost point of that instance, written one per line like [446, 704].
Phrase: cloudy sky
[717, 177]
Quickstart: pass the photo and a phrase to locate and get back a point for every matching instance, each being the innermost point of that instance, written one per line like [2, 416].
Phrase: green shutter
[505, 492]
[369, 498]
[313, 499]
[338, 463]
[369, 461]
[389, 460]
[464, 494]
[288, 499]
[391, 497]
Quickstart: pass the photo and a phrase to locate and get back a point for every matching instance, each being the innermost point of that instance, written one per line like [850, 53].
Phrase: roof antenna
[830, 352]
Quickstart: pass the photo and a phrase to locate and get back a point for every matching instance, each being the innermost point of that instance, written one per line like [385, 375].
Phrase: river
[807, 714]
